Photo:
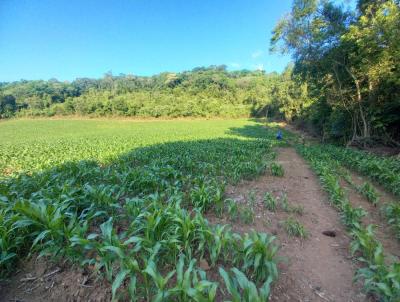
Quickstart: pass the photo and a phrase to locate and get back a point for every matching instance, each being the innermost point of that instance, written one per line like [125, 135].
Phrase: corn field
[129, 206]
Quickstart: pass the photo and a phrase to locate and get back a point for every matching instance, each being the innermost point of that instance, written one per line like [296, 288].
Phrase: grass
[290, 208]
[277, 170]
[294, 228]
[128, 200]
[270, 202]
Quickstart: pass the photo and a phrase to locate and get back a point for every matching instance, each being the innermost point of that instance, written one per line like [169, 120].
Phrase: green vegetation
[232, 209]
[369, 192]
[294, 228]
[136, 218]
[349, 58]
[270, 202]
[242, 289]
[290, 208]
[384, 170]
[246, 214]
[379, 278]
[392, 213]
[32, 145]
[277, 170]
[201, 92]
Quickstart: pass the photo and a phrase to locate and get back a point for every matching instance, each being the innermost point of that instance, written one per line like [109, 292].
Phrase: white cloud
[258, 53]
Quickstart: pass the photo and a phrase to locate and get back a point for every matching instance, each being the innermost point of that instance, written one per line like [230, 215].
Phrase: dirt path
[318, 268]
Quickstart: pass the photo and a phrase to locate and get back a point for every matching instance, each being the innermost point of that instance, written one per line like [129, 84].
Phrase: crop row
[138, 221]
[389, 210]
[386, 171]
[379, 278]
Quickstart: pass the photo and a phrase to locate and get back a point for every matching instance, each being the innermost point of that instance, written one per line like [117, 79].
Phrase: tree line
[201, 92]
[350, 59]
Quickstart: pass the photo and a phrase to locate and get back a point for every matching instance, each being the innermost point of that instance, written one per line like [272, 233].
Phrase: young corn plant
[191, 284]
[220, 240]
[369, 192]
[392, 213]
[260, 256]
[246, 214]
[252, 198]
[277, 170]
[270, 202]
[285, 206]
[294, 228]
[365, 243]
[284, 203]
[382, 281]
[241, 289]
[351, 217]
[232, 209]
[160, 282]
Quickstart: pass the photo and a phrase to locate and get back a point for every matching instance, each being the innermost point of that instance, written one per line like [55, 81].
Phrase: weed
[252, 198]
[247, 214]
[232, 209]
[270, 202]
[277, 169]
[294, 228]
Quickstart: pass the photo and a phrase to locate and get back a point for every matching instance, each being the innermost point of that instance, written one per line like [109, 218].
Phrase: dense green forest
[344, 84]
[350, 60]
[202, 92]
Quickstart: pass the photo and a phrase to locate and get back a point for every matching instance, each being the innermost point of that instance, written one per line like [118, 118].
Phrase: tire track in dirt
[318, 268]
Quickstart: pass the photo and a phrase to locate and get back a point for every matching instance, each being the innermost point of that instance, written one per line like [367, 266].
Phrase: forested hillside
[202, 92]
[350, 59]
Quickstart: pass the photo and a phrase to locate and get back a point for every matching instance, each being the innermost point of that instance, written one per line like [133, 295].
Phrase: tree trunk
[365, 127]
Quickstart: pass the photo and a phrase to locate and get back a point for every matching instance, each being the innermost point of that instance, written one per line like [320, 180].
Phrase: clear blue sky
[65, 39]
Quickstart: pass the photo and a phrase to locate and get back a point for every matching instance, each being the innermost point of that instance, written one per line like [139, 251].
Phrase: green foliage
[242, 289]
[289, 208]
[277, 169]
[270, 202]
[260, 256]
[252, 198]
[392, 213]
[351, 217]
[384, 170]
[246, 214]
[34, 145]
[379, 278]
[294, 228]
[201, 92]
[232, 209]
[348, 59]
[284, 203]
[368, 191]
[136, 218]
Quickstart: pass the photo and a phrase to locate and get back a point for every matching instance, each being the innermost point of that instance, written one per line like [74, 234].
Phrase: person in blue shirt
[279, 135]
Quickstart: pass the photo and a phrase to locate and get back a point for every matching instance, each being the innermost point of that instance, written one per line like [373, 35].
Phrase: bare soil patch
[40, 280]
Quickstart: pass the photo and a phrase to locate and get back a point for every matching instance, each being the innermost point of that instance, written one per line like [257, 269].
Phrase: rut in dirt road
[318, 268]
